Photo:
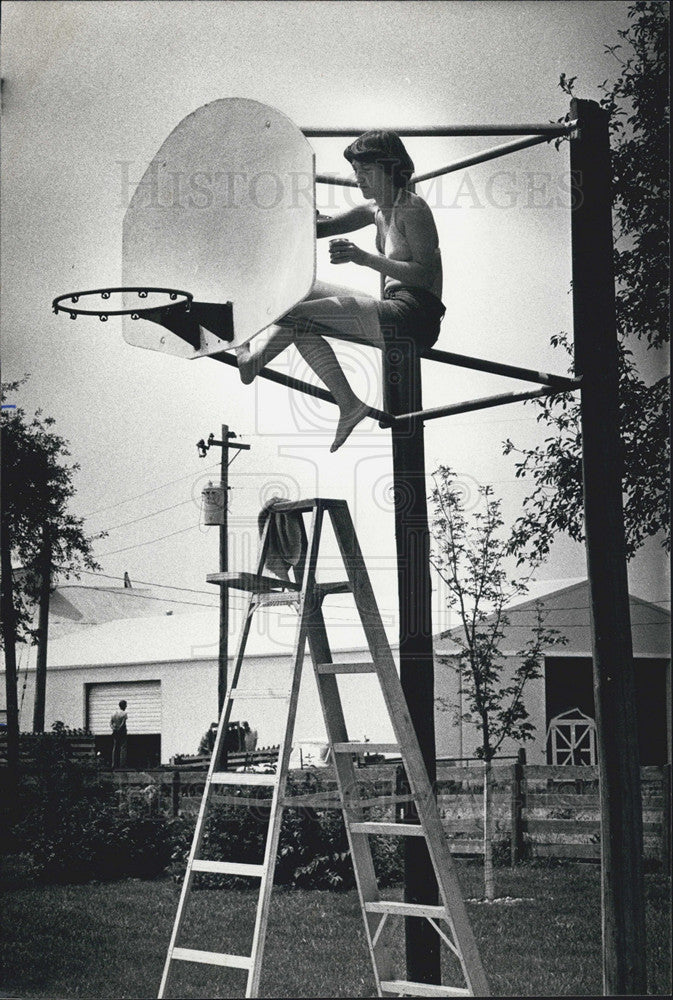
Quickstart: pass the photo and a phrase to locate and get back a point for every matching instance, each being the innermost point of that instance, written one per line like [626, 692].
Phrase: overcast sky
[91, 90]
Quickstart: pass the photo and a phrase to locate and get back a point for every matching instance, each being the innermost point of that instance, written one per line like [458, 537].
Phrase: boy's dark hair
[386, 148]
[122, 704]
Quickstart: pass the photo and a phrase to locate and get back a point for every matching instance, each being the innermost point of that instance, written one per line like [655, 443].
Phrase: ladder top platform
[255, 582]
[311, 503]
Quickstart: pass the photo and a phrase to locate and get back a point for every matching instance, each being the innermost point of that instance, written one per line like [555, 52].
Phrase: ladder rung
[335, 587]
[404, 988]
[259, 693]
[366, 748]
[399, 829]
[242, 778]
[346, 668]
[212, 958]
[406, 909]
[227, 868]
[273, 599]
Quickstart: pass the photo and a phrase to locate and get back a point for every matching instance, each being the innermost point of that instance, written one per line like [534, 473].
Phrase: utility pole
[225, 443]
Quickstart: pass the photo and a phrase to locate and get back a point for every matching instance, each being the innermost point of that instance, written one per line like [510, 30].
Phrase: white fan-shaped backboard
[225, 211]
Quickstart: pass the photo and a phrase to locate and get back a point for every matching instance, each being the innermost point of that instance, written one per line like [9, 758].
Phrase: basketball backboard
[225, 211]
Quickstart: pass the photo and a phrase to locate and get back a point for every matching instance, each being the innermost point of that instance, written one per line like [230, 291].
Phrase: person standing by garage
[119, 735]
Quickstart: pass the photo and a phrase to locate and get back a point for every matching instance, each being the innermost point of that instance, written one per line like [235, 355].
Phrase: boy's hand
[344, 252]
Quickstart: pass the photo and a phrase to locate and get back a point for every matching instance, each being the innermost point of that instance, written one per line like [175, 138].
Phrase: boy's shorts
[410, 313]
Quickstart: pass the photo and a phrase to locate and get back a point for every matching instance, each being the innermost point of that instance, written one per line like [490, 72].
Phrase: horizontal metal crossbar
[295, 383]
[466, 161]
[479, 364]
[499, 368]
[484, 403]
[550, 129]
[554, 384]
[482, 157]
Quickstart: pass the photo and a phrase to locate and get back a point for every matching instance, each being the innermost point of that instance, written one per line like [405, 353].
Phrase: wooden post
[666, 819]
[517, 808]
[402, 394]
[624, 969]
[43, 633]
[175, 793]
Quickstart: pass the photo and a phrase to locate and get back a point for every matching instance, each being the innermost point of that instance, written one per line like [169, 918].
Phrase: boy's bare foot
[247, 369]
[348, 421]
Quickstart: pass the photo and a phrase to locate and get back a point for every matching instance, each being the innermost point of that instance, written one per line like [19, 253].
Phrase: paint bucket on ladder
[212, 498]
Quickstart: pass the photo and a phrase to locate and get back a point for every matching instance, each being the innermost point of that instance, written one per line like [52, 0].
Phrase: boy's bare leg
[321, 358]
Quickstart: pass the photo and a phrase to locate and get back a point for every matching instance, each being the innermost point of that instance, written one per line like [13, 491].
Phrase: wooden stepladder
[449, 918]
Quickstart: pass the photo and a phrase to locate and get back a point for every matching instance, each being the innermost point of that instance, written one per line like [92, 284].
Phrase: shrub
[94, 839]
[312, 851]
[70, 827]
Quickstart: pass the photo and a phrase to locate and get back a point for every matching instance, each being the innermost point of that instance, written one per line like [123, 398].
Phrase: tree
[36, 485]
[639, 128]
[470, 556]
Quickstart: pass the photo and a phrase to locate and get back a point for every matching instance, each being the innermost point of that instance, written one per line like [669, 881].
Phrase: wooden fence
[81, 747]
[538, 810]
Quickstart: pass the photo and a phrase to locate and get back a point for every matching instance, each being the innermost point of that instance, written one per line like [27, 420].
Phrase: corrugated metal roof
[193, 636]
[568, 610]
[92, 605]
[124, 635]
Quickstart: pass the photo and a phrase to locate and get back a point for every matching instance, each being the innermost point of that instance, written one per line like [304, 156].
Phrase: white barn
[560, 703]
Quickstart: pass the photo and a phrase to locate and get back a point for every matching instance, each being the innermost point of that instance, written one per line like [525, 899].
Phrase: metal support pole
[402, 393]
[466, 161]
[624, 968]
[471, 405]
[546, 128]
[280, 378]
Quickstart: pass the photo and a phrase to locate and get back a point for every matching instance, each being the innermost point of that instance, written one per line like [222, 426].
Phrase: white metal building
[161, 657]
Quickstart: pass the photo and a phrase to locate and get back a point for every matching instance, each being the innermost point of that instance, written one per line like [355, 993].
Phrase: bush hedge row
[71, 827]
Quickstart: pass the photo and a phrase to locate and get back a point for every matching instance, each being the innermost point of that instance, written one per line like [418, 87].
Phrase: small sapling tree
[470, 554]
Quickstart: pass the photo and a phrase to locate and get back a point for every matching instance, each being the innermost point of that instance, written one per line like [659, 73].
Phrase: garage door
[143, 706]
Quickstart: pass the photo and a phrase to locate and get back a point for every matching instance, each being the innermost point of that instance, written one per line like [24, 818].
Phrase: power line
[146, 583]
[162, 486]
[150, 541]
[191, 590]
[135, 520]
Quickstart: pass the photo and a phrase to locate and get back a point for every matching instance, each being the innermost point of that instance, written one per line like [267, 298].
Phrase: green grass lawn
[109, 939]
